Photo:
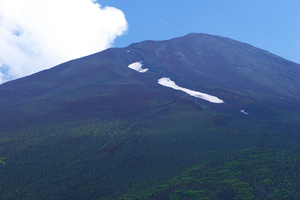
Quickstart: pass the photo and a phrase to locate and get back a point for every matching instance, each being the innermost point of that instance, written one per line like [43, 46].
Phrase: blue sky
[272, 25]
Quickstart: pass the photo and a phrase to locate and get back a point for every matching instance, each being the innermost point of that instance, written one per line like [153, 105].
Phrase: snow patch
[137, 66]
[169, 83]
[244, 112]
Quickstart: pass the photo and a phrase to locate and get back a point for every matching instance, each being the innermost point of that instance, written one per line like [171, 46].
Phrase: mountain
[122, 121]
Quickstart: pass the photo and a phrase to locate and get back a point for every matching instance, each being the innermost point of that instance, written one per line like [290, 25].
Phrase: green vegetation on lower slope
[97, 158]
[250, 174]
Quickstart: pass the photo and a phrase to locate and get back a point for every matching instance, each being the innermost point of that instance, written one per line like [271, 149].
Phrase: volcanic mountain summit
[124, 119]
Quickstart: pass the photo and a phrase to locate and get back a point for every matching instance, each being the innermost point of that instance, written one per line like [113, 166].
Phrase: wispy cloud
[38, 34]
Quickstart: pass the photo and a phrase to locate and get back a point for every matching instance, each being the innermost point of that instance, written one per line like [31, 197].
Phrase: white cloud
[38, 34]
[169, 83]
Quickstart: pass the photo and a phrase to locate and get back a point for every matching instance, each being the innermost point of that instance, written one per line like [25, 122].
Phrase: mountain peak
[125, 118]
[198, 60]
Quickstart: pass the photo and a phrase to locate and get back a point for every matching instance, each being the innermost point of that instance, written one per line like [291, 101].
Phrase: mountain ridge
[98, 128]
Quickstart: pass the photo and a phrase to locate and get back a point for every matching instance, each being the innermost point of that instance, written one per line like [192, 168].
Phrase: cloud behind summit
[38, 34]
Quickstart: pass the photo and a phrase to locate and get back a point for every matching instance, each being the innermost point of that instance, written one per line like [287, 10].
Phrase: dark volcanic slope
[216, 62]
[92, 128]
[212, 64]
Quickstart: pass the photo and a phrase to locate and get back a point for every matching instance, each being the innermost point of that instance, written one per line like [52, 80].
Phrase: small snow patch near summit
[169, 83]
[137, 66]
[244, 112]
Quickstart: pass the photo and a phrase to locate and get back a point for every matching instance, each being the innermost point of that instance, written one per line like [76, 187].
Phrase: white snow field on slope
[243, 111]
[137, 66]
[169, 83]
